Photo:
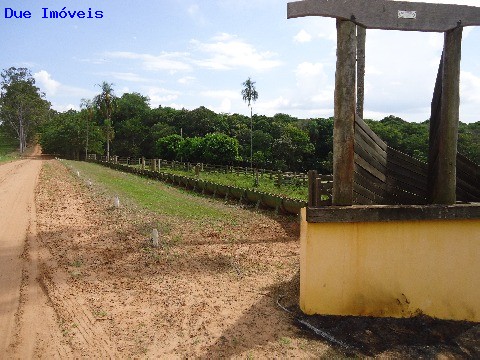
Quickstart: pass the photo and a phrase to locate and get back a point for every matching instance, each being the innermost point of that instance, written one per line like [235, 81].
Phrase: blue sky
[189, 53]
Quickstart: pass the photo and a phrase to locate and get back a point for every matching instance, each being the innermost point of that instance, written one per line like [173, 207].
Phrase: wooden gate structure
[380, 221]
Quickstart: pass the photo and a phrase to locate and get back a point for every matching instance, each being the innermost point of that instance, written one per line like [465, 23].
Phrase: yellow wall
[392, 268]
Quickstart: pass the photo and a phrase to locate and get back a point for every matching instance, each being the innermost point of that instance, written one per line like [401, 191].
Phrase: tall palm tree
[87, 104]
[249, 94]
[105, 102]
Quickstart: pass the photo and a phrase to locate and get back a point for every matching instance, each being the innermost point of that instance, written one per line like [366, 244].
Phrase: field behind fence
[258, 187]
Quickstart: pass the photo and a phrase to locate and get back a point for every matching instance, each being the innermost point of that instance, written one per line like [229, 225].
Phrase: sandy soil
[82, 280]
[209, 290]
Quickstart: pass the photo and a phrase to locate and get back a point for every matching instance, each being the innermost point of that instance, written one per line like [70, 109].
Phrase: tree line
[128, 127]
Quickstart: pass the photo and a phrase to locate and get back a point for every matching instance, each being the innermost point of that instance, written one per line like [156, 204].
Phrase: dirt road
[27, 322]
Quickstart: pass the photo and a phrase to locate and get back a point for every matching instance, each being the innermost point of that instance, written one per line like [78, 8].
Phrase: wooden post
[361, 40]
[444, 132]
[312, 189]
[345, 107]
[143, 163]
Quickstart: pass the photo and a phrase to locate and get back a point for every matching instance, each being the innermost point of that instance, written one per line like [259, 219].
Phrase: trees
[65, 134]
[249, 94]
[105, 103]
[22, 105]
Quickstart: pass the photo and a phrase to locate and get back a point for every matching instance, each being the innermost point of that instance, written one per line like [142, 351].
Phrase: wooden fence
[256, 198]
[386, 176]
[281, 178]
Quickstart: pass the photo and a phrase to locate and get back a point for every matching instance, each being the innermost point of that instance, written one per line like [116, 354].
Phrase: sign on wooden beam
[390, 15]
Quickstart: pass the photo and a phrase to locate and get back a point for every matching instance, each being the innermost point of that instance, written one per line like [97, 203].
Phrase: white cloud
[126, 76]
[302, 37]
[172, 62]
[228, 52]
[46, 82]
[54, 88]
[160, 96]
[63, 108]
[469, 87]
[186, 80]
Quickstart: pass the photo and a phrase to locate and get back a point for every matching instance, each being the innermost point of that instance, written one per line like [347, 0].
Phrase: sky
[192, 53]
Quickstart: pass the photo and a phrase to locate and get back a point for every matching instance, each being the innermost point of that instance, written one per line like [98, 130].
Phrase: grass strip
[152, 195]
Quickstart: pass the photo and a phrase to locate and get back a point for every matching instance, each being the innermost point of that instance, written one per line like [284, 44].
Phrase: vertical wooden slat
[361, 40]
[312, 188]
[345, 108]
[443, 148]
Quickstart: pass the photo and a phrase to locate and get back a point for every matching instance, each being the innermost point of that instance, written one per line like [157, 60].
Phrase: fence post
[143, 163]
[345, 107]
[312, 188]
[279, 178]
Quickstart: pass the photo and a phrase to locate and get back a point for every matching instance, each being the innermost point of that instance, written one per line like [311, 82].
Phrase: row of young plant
[256, 197]
[289, 184]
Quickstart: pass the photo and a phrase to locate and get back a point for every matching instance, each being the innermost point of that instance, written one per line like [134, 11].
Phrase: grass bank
[153, 195]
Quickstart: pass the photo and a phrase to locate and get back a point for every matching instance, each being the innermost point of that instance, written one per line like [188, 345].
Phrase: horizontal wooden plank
[367, 142]
[367, 196]
[390, 15]
[406, 176]
[369, 181]
[467, 166]
[358, 199]
[373, 158]
[365, 165]
[410, 161]
[467, 187]
[362, 125]
[464, 196]
[396, 182]
[382, 213]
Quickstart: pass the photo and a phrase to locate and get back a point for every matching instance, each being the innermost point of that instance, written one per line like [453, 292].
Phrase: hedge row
[257, 198]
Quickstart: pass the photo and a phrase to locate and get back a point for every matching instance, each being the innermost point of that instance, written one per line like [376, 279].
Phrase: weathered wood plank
[365, 165]
[442, 173]
[361, 42]
[344, 113]
[381, 213]
[312, 189]
[361, 136]
[410, 162]
[371, 157]
[390, 15]
[366, 129]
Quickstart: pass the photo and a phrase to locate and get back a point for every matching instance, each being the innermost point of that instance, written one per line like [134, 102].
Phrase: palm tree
[249, 94]
[87, 104]
[105, 102]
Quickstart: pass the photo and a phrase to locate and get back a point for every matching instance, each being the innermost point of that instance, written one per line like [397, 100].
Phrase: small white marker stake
[155, 237]
[116, 202]
[78, 173]
[89, 183]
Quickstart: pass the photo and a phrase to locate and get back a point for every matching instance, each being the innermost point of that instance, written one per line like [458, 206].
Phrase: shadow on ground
[417, 337]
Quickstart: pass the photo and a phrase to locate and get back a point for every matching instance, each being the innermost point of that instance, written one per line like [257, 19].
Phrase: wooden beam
[390, 15]
[381, 213]
[443, 148]
[361, 41]
[344, 124]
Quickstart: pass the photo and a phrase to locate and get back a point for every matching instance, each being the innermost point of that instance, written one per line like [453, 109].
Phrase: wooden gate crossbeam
[390, 15]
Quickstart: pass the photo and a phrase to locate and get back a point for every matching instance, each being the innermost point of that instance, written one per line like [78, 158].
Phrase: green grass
[152, 195]
[8, 148]
[246, 181]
